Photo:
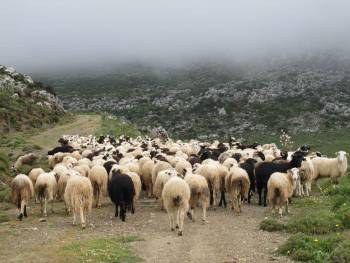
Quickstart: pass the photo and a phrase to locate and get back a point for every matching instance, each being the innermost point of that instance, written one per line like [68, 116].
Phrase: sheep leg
[171, 219]
[116, 211]
[52, 206]
[259, 193]
[181, 215]
[249, 195]
[25, 210]
[122, 211]
[280, 211]
[82, 218]
[99, 198]
[177, 218]
[287, 208]
[211, 197]
[132, 207]
[74, 218]
[265, 194]
[204, 207]
[41, 205]
[214, 197]
[21, 210]
[45, 206]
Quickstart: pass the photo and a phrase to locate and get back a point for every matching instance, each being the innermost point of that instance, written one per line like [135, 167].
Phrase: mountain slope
[305, 94]
[25, 103]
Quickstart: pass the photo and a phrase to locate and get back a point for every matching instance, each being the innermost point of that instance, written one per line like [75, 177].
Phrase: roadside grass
[319, 225]
[103, 250]
[327, 142]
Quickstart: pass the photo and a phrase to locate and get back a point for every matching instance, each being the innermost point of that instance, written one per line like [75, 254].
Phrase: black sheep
[264, 170]
[62, 149]
[108, 165]
[121, 191]
[249, 166]
[192, 159]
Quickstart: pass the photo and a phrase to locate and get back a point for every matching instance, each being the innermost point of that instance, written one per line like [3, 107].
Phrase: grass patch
[319, 225]
[306, 248]
[104, 250]
[271, 225]
[5, 194]
[116, 127]
[4, 218]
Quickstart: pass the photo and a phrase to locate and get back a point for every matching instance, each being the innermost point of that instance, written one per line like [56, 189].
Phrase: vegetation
[116, 127]
[104, 250]
[320, 225]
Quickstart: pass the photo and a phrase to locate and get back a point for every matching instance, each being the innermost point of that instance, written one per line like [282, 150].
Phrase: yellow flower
[337, 225]
[316, 240]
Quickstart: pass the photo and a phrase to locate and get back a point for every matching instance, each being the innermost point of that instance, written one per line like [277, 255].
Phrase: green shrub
[301, 247]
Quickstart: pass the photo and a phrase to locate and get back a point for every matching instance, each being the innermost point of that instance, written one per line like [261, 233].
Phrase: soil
[224, 238]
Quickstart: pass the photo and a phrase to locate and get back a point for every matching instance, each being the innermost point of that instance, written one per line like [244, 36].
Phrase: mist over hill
[308, 93]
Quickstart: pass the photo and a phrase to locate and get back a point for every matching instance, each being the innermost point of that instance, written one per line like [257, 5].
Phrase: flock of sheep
[181, 175]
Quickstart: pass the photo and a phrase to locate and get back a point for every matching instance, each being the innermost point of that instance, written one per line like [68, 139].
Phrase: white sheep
[78, 197]
[307, 175]
[25, 159]
[200, 193]
[99, 178]
[215, 174]
[146, 167]
[34, 173]
[229, 162]
[45, 190]
[137, 183]
[162, 178]
[21, 193]
[280, 188]
[182, 165]
[334, 168]
[237, 185]
[159, 166]
[176, 196]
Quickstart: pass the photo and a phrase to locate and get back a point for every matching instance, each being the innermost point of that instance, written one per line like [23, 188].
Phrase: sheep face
[295, 174]
[341, 156]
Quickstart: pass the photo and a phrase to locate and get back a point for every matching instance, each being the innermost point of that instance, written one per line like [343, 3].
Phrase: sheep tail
[177, 200]
[277, 192]
[41, 191]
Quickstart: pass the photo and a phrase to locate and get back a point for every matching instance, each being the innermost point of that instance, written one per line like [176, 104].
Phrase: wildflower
[316, 240]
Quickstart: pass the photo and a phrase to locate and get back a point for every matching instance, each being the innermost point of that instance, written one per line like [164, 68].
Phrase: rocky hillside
[25, 103]
[306, 94]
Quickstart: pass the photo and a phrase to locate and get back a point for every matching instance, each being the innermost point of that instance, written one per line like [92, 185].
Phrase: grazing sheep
[137, 183]
[334, 168]
[78, 197]
[34, 173]
[56, 159]
[182, 165]
[25, 159]
[306, 174]
[159, 166]
[200, 193]
[264, 170]
[121, 191]
[82, 169]
[61, 149]
[215, 174]
[280, 188]
[162, 178]
[237, 185]
[45, 190]
[249, 166]
[146, 167]
[176, 196]
[99, 178]
[229, 162]
[21, 192]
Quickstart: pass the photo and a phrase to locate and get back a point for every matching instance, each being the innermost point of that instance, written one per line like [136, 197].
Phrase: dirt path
[83, 125]
[225, 238]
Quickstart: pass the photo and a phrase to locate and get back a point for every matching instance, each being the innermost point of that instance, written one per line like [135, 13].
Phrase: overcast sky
[43, 34]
